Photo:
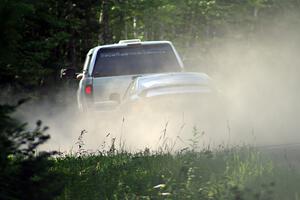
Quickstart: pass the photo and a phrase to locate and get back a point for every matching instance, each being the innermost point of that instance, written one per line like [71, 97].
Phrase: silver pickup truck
[109, 69]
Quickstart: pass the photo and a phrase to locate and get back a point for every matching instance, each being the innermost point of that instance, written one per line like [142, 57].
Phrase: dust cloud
[258, 79]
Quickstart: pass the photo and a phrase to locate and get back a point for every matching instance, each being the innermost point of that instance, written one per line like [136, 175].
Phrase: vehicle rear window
[141, 59]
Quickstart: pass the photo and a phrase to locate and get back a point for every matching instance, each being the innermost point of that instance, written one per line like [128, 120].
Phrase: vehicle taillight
[88, 90]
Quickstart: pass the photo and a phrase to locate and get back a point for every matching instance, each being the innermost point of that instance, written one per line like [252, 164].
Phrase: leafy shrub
[24, 172]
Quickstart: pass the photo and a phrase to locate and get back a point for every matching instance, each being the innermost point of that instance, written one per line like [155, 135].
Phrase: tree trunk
[105, 35]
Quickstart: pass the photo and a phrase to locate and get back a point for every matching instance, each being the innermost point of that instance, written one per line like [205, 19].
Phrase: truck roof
[124, 43]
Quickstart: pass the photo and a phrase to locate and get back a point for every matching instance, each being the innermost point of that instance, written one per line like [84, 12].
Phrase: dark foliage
[38, 38]
[25, 173]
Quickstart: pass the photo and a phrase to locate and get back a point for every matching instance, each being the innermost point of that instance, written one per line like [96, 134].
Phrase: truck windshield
[137, 59]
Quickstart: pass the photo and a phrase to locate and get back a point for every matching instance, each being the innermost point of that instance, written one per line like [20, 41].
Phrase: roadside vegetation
[241, 172]
[25, 173]
[196, 172]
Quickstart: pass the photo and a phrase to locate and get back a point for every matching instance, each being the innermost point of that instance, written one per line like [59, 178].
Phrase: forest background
[38, 38]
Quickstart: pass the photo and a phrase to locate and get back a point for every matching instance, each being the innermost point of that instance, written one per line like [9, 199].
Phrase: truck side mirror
[67, 73]
[79, 76]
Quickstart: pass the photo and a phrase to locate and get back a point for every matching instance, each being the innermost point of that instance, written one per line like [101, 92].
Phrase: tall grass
[223, 173]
